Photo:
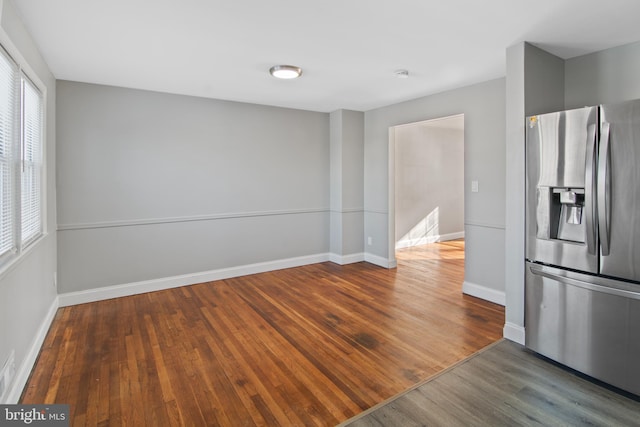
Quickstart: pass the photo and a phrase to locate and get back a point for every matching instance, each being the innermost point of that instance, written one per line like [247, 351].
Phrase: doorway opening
[426, 188]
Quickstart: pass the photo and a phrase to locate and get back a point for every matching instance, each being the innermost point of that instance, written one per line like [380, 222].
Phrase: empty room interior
[285, 213]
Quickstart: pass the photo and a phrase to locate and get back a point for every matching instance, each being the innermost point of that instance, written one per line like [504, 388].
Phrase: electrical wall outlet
[55, 280]
[369, 240]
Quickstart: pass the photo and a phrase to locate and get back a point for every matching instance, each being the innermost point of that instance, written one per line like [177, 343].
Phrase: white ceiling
[349, 49]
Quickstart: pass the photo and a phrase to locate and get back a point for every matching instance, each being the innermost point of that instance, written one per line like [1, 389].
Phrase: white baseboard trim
[24, 371]
[484, 292]
[425, 240]
[346, 259]
[513, 332]
[116, 291]
[380, 261]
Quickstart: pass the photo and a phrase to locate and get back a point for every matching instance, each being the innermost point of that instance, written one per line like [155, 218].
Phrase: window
[21, 160]
[31, 177]
[8, 95]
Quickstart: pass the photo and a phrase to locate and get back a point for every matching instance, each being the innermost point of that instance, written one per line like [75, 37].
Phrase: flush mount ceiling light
[285, 71]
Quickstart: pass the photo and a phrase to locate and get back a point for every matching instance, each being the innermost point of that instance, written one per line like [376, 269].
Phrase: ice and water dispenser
[561, 214]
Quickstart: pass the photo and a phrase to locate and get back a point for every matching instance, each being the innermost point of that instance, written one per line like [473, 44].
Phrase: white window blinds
[21, 159]
[31, 177]
[8, 131]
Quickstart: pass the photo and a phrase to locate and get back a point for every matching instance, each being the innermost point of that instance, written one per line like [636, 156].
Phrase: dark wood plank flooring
[313, 345]
[505, 385]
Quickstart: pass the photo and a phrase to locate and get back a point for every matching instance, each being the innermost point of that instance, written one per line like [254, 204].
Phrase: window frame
[9, 151]
[24, 75]
[36, 164]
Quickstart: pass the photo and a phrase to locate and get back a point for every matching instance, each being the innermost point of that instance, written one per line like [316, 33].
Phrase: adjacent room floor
[505, 385]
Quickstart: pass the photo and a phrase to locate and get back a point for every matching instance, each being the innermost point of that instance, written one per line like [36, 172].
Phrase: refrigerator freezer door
[560, 220]
[589, 323]
[619, 190]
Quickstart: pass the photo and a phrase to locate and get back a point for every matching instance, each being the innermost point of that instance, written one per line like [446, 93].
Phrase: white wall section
[429, 180]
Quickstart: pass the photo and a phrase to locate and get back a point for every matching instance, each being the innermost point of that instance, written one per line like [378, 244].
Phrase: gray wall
[153, 185]
[483, 106]
[27, 295]
[429, 182]
[346, 193]
[535, 84]
[145, 178]
[603, 77]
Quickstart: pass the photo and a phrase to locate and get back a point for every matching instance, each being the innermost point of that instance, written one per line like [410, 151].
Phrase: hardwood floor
[313, 345]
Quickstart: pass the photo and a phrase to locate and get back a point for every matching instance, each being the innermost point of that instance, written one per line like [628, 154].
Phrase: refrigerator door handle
[604, 186]
[589, 201]
[540, 271]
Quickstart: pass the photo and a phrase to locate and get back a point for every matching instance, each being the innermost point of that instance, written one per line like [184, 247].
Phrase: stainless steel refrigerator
[582, 284]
